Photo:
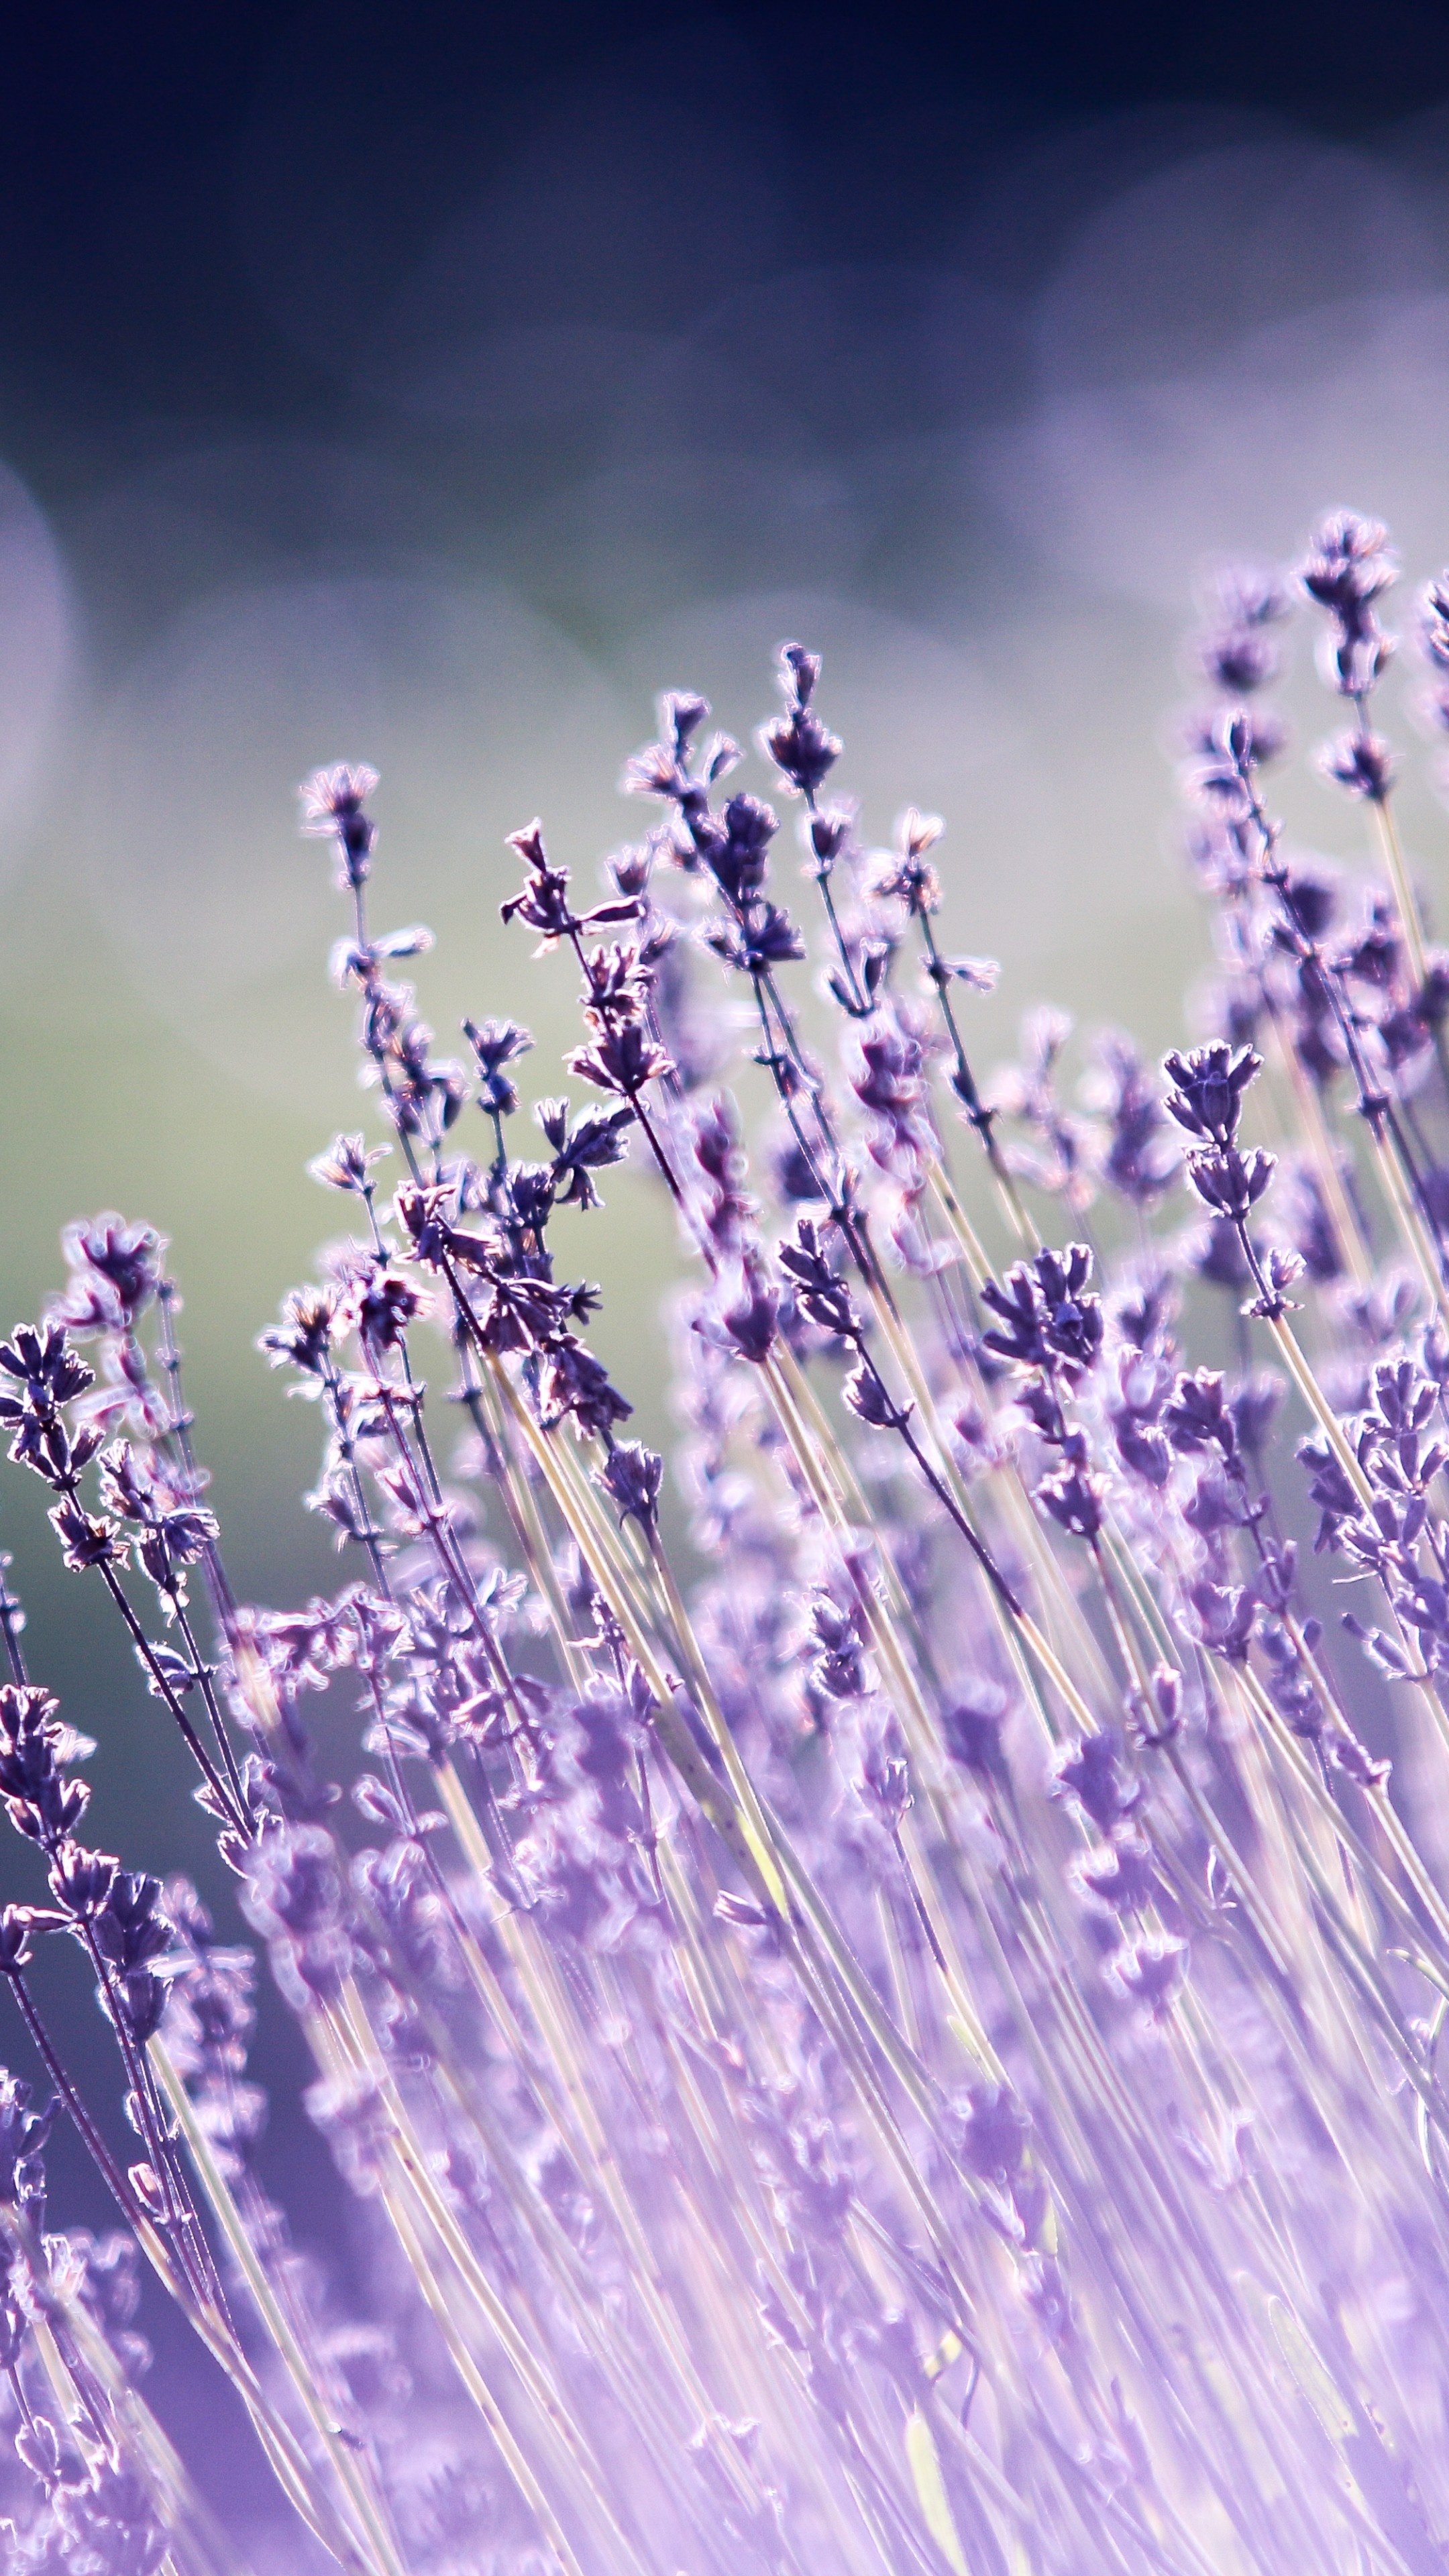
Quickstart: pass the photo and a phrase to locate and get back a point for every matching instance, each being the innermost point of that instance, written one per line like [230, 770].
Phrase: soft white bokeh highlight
[35, 652]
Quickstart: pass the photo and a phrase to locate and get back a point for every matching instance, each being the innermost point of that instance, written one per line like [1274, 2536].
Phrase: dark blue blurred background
[431, 384]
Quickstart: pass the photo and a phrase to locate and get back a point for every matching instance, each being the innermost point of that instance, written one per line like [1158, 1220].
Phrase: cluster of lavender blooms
[886, 2016]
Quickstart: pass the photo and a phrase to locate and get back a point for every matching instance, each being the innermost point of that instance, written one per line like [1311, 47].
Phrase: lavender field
[768, 1890]
[913, 2041]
